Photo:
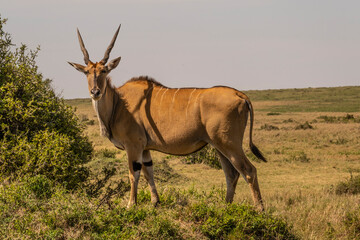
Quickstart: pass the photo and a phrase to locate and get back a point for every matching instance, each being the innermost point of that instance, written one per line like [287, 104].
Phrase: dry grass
[302, 167]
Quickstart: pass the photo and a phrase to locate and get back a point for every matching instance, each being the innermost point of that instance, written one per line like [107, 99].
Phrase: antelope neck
[105, 109]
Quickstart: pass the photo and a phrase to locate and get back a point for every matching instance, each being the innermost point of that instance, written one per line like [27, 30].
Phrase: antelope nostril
[95, 92]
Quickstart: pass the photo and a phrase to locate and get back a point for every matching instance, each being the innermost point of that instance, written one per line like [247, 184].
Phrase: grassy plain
[304, 166]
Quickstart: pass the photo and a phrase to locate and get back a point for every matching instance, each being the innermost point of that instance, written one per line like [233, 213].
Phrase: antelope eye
[103, 71]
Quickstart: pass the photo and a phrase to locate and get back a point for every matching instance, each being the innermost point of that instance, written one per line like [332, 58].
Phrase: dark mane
[147, 79]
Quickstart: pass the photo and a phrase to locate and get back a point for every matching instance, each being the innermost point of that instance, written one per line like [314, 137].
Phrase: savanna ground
[311, 138]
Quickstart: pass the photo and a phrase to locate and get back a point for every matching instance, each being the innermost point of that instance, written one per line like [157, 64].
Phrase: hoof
[130, 205]
[155, 204]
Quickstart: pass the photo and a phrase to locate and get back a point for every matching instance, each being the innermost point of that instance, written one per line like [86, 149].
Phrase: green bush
[48, 153]
[39, 133]
[163, 172]
[239, 222]
[41, 186]
[235, 221]
[207, 155]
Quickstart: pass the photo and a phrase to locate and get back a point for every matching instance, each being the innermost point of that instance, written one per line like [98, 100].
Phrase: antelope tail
[253, 148]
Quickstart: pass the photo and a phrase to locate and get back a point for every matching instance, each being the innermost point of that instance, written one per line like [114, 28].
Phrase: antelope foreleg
[147, 169]
[134, 175]
[148, 173]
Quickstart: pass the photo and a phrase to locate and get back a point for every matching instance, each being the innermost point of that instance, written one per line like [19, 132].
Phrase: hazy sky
[252, 44]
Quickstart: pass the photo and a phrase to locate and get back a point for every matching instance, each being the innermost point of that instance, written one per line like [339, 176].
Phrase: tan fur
[144, 115]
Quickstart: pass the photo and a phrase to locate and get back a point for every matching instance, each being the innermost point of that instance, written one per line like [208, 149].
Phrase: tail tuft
[257, 153]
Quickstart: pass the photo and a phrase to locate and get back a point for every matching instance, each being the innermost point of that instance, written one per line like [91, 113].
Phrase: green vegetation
[207, 155]
[106, 153]
[235, 221]
[39, 133]
[55, 214]
[40, 186]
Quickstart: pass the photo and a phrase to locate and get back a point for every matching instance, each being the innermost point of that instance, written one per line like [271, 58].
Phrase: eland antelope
[144, 115]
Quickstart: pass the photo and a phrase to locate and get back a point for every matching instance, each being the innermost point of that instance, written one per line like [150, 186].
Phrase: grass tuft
[268, 127]
[273, 114]
[298, 157]
[84, 119]
[304, 126]
[350, 186]
[339, 141]
[352, 223]
[348, 118]
[106, 153]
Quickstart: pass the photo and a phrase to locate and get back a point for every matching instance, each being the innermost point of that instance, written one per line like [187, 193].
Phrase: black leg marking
[148, 164]
[137, 166]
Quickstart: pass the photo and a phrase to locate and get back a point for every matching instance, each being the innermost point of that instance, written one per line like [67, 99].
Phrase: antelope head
[96, 72]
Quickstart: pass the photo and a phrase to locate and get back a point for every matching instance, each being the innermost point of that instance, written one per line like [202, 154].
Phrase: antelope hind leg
[231, 176]
[241, 163]
[248, 170]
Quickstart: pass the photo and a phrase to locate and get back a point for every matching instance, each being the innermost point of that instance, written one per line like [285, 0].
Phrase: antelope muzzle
[95, 94]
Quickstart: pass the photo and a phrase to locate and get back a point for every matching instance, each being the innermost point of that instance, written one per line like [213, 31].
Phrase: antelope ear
[113, 63]
[78, 67]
